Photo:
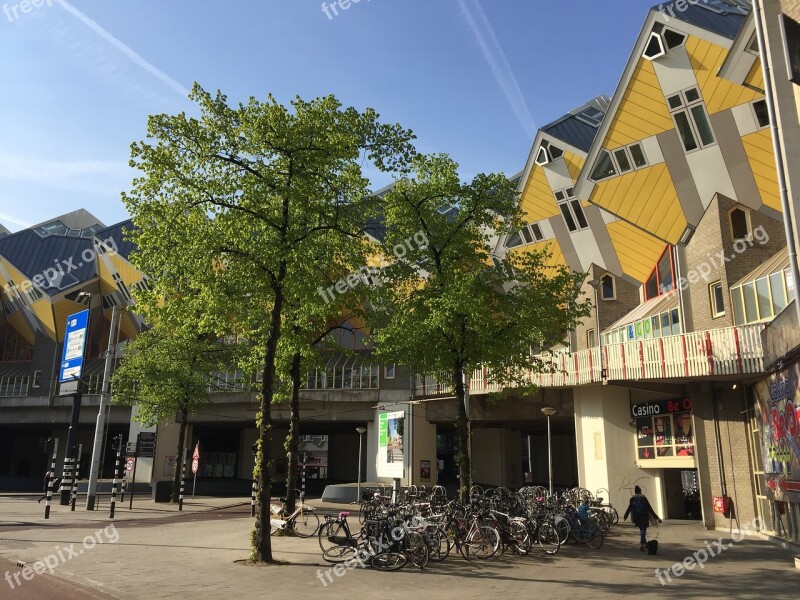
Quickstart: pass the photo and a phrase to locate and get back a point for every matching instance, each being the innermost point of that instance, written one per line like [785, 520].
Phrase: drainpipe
[717, 442]
[676, 259]
[777, 149]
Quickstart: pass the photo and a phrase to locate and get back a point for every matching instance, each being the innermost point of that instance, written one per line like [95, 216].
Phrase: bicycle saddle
[344, 515]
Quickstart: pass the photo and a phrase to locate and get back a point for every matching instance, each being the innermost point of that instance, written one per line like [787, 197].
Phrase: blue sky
[471, 78]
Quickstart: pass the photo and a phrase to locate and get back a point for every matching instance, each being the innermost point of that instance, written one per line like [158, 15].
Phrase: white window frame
[715, 314]
[613, 287]
[591, 336]
[567, 200]
[685, 108]
[746, 212]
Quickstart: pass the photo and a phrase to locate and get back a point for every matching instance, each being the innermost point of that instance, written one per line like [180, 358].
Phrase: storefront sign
[661, 407]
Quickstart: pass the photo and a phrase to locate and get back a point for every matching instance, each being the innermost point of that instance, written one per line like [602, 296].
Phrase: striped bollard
[183, 480]
[123, 486]
[303, 481]
[66, 480]
[49, 496]
[75, 474]
[114, 485]
[253, 498]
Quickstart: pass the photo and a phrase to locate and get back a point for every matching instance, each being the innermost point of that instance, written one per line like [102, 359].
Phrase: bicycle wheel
[483, 542]
[613, 515]
[416, 549]
[330, 533]
[438, 543]
[388, 561]
[521, 538]
[563, 529]
[340, 554]
[305, 524]
[594, 536]
[547, 538]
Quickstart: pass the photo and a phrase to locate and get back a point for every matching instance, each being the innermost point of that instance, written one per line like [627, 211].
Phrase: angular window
[603, 167]
[526, 235]
[673, 38]
[537, 232]
[654, 48]
[568, 219]
[514, 240]
[571, 210]
[764, 299]
[662, 278]
[541, 157]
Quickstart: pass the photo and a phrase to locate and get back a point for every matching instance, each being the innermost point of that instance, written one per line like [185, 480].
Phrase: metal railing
[727, 351]
[14, 387]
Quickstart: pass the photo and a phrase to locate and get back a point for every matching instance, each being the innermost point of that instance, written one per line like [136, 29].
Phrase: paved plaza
[155, 552]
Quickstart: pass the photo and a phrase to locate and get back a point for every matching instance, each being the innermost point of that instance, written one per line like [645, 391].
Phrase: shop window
[607, 288]
[717, 299]
[740, 223]
[665, 436]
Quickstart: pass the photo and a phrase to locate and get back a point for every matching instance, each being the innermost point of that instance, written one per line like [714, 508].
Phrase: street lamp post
[596, 283]
[94, 471]
[361, 431]
[549, 411]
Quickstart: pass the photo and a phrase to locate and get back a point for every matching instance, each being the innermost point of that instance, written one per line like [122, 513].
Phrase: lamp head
[548, 411]
[595, 283]
[361, 430]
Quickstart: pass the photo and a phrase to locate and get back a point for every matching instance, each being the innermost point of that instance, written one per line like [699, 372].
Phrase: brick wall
[705, 265]
[627, 298]
[733, 441]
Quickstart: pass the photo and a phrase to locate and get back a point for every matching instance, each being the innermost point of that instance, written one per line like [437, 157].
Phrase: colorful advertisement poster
[776, 407]
[391, 457]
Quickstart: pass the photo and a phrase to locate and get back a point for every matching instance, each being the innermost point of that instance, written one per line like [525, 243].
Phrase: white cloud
[11, 219]
[91, 176]
[496, 57]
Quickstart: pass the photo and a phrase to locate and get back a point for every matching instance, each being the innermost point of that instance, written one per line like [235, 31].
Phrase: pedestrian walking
[642, 514]
[47, 477]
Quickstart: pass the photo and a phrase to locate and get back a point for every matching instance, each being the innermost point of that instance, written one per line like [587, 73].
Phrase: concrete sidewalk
[168, 555]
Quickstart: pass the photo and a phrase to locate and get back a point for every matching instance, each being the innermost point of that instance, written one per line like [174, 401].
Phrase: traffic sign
[196, 459]
[130, 464]
[195, 465]
[74, 344]
[146, 444]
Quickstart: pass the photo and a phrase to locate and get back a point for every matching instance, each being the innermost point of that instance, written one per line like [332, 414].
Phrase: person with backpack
[641, 514]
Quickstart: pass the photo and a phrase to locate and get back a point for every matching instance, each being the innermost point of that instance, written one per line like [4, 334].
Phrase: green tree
[232, 204]
[447, 305]
[167, 371]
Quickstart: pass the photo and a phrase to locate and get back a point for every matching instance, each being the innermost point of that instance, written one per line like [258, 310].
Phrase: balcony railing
[14, 387]
[729, 351]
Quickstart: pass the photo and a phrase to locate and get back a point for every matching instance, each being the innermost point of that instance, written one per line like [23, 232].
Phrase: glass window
[703, 125]
[675, 101]
[655, 47]
[622, 160]
[590, 343]
[666, 327]
[348, 378]
[778, 293]
[638, 156]
[656, 325]
[514, 240]
[692, 95]
[578, 209]
[646, 325]
[676, 321]
[717, 299]
[739, 226]
[373, 379]
[764, 299]
[555, 152]
[790, 291]
[389, 371]
[526, 235]
[665, 271]
[651, 286]
[673, 38]
[750, 306]
[685, 131]
[568, 217]
[604, 167]
[607, 289]
[762, 113]
[537, 232]
[738, 306]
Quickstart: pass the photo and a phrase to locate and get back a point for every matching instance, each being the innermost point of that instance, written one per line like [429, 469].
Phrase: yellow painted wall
[758, 147]
[574, 164]
[637, 250]
[40, 308]
[719, 94]
[756, 76]
[557, 256]
[537, 199]
[646, 198]
[643, 111]
[18, 322]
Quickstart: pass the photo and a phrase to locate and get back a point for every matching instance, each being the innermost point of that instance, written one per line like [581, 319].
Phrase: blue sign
[74, 346]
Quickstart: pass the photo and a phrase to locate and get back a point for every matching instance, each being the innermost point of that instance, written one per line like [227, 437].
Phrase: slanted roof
[648, 308]
[119, 233]
[778, 262]
[59, 259]
[723, 17]
[575, 129]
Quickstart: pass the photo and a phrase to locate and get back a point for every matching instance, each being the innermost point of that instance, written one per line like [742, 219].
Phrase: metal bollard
[49, 493]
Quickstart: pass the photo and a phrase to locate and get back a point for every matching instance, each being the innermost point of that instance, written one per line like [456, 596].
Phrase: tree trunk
[176, 478]
[462, 429]
[261, 541]
[293, 439]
